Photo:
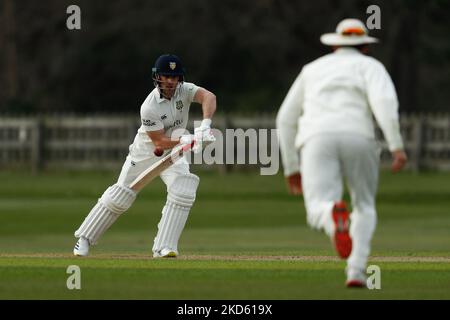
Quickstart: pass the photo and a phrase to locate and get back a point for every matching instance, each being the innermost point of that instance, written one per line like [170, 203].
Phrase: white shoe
[356, 278]
[81, 247]
[165, 253]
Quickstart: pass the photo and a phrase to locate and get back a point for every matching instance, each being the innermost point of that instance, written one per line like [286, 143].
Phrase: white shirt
[338, 92]
[159, 113]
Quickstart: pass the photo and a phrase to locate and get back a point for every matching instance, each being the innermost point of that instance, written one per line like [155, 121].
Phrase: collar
[347, 50]
[159, 97]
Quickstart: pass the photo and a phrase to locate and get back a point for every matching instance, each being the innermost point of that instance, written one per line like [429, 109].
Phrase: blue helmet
[167, 65]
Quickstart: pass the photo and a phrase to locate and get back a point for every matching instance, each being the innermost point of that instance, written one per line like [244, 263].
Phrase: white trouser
[131, 169]
[328, 159]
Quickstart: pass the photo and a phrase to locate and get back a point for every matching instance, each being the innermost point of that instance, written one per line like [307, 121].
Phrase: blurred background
[72, 97]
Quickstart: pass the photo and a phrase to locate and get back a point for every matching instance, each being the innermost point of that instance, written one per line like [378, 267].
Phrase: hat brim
[334, 39]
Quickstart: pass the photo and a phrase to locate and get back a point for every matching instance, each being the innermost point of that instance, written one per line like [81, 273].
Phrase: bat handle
[186, 147]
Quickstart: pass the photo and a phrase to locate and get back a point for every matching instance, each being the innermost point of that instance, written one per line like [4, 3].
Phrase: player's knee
[118, 198]
[183, 190]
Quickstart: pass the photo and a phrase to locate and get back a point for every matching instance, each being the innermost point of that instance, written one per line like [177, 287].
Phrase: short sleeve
[150, 121]
[190, 90]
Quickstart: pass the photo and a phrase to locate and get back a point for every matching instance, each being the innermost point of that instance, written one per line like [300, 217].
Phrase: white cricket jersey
[159, 113]
[338, 92]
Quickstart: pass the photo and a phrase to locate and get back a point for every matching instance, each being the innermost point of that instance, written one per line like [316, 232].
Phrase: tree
[10, 53]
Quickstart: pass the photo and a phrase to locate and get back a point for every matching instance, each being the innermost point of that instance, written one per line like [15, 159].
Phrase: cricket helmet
[168, 65]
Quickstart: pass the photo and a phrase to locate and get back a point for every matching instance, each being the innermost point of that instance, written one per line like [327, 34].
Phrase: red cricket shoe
[356, 278]
[354, 283]
[342, 240]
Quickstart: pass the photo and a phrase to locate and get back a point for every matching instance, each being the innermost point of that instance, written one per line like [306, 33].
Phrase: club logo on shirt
[179, 105]
[147, 122]
[164, 116]
[172, 65]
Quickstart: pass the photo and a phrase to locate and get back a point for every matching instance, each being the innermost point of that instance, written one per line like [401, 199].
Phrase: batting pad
[114, 201]
[180, 200]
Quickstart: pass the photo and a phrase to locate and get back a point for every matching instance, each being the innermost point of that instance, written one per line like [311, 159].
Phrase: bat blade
[155, 169]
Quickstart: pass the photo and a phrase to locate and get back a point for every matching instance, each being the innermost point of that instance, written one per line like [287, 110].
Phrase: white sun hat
[349, 32]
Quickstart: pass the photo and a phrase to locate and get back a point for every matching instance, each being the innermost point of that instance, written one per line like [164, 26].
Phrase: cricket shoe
[356, 278]
[341, 238]
[81, 248]
[165, 253]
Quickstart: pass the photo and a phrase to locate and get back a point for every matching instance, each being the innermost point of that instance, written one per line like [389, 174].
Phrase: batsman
[164, 116]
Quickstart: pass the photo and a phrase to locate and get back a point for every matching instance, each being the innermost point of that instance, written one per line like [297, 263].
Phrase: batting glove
[203, 132]
[189, 139]
[186, 139]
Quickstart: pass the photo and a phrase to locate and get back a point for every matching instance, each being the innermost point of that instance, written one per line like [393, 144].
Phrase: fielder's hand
[399, 160]
[294, 183]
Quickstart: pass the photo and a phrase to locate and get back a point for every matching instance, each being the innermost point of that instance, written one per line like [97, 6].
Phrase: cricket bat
[155, 169]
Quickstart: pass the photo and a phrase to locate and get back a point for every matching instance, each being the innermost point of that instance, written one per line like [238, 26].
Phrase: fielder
[164, 115]
[327, 134]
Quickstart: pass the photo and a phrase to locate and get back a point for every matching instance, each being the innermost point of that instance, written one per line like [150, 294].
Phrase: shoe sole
[355, 284]
[79, 254]
[342, 240]
[169, 255]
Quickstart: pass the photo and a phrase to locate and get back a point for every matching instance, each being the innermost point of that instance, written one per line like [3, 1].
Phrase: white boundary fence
[102, 141]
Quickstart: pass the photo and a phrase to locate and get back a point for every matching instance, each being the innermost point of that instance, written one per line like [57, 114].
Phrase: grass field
[245, 239]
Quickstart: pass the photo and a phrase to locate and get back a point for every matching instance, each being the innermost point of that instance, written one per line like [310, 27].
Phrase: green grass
[181, 279]
[239, 214]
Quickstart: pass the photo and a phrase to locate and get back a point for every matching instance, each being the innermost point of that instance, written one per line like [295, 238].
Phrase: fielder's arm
[287, 125]
[161, 141]
[383, 101]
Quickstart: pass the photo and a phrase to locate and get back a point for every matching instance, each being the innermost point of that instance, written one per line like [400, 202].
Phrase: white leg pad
[114, 201]
[180, 200]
